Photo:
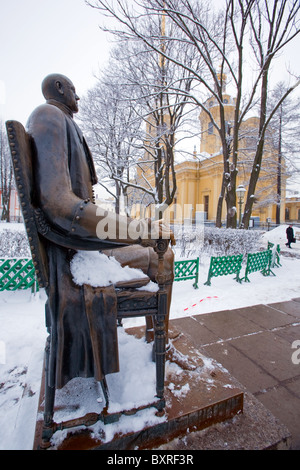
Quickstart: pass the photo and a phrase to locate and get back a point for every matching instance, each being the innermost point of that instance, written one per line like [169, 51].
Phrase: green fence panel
[187, 269]
[275, 255]
[260, 261]
[223, 265]
[17, 274]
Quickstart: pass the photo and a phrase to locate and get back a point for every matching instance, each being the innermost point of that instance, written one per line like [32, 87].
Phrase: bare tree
[220, 40]
[164, 113]
[112, 127]
[144, 80]
[273, 25]
[6, 173]
[285, 126]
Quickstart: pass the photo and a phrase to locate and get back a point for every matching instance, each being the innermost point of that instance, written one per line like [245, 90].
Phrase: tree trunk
[220, 206]
[256, 167]
[6, 206]
[279, 161]
[231, 207]
[118, 194]
[220, 202]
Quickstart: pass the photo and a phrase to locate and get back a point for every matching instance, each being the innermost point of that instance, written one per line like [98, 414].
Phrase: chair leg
[160, 344]
[49, 402]
[105, 391]
[149, 333]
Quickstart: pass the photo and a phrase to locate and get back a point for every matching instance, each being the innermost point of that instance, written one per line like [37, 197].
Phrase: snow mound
[277, 235]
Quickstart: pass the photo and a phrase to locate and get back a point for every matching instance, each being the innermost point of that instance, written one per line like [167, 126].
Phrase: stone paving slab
[291, 308]
[255, 429]
[226, 324]
[254, 378]
[269, 352]
[290, 333]
[283, 404]
[294, 387]
[196, 331]
[266, 317]
[255, 345]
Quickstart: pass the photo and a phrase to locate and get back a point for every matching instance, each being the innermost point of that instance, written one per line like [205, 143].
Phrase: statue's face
[68, 95]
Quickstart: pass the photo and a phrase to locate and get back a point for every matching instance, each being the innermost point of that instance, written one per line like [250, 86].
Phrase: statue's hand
[159, 229]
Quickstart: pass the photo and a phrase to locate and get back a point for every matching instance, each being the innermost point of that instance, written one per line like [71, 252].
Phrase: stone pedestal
[198, 394]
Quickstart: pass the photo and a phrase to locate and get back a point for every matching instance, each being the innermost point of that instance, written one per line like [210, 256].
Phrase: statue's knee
[169, 257]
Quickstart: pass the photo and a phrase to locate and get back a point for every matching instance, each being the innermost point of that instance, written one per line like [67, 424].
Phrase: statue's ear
[59, 87]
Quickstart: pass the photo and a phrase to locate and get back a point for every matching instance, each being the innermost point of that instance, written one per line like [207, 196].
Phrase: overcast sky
[38, 37]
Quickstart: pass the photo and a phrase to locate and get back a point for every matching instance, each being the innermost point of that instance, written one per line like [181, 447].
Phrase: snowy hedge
[213, 241]
[14, 243]
[190, 242]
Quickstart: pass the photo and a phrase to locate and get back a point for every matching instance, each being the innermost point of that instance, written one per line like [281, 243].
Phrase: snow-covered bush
[14, 244]
[213, 241]
[231, 241]
[190, 242]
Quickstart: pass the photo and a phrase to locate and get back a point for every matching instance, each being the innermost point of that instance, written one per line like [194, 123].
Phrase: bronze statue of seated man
[82, 326]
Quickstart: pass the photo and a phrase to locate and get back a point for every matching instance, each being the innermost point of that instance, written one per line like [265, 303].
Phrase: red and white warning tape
[194, 305]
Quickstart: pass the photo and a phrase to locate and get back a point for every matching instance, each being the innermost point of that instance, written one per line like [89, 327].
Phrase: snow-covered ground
[22, 340]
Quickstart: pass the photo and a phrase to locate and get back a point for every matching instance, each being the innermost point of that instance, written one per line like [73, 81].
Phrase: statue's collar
[61, 106]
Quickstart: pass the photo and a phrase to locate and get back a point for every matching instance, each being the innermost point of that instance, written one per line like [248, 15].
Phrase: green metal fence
[260, 261]
[188, 269]
[17, 274]
[223, 265]
[20, 273]
[275, 255]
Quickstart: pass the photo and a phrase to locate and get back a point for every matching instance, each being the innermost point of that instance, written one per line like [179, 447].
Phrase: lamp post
[240, 191]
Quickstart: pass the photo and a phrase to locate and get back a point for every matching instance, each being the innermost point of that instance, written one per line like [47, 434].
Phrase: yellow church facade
[292, 209]
[199, 178]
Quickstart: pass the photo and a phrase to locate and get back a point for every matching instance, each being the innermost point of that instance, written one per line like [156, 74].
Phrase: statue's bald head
[60, 88]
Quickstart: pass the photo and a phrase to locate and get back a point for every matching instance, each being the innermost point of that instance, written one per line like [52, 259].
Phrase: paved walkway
[255, 345]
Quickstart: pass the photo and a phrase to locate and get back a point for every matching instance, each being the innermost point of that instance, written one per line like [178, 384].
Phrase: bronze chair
[131, 302]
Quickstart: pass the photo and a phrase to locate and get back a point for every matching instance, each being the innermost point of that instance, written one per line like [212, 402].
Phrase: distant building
[14, 209]
[199, 178]
[292, 208]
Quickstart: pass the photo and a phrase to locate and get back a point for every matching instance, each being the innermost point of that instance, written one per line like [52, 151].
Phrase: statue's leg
[134, 256]
[169, 276]
[146, 259]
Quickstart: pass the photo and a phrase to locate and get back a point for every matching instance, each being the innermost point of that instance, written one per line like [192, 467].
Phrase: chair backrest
[22, 159]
